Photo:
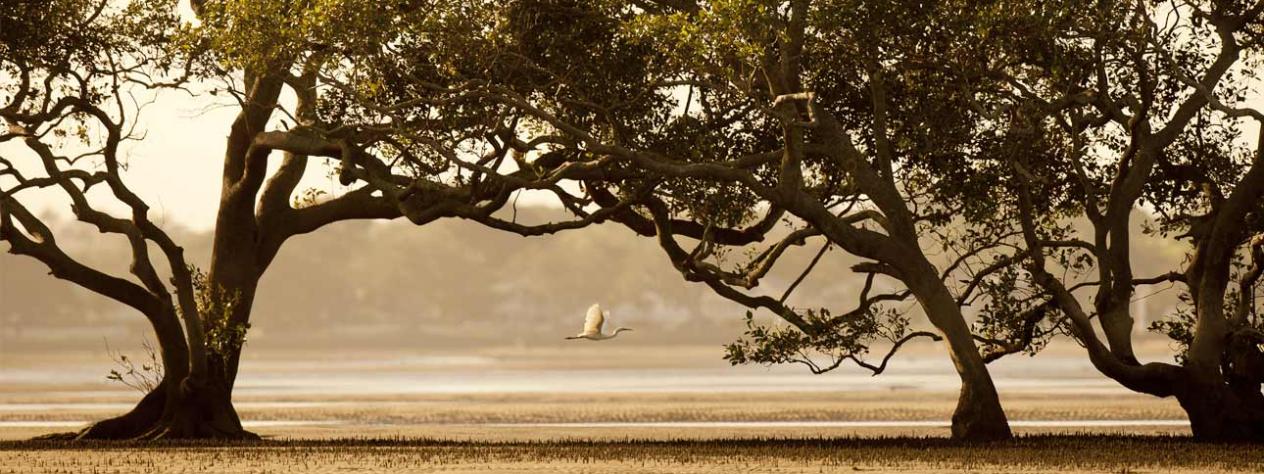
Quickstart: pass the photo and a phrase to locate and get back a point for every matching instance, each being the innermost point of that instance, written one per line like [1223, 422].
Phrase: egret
[592, 326]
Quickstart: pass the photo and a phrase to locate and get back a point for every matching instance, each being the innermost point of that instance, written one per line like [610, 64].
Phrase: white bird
[592, 325]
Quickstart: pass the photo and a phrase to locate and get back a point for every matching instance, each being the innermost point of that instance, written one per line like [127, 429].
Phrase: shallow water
[291, 378]
[637, 380]
[485, 375]
[594, 391]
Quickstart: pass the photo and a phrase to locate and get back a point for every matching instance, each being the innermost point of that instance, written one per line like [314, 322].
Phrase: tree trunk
[1218, 412]
[199, 410]
[181, 406]
[979, 416]
[222, 368]
[226, 368]
[235, 274]
[178, 407]
[142, 418]
[184, 412]
[1227, 407]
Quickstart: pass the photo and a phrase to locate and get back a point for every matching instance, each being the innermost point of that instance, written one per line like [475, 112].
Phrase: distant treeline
[464, 285]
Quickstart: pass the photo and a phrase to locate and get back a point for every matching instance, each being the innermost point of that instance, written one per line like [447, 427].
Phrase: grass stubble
[1029, 453]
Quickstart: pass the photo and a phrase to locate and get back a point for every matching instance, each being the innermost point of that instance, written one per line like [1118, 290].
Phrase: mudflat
[903, 454]
[613, 411]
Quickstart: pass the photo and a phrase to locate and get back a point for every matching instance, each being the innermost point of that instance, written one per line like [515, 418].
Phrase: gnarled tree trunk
[1224, 403]
[180, 406]
[199, 410]
[1219, 412]
[978, 416]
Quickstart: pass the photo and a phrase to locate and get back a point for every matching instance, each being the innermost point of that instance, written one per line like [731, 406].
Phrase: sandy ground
[631, 407]
[466, 433]
[519, 416]
[551, 411]
[1029, 454]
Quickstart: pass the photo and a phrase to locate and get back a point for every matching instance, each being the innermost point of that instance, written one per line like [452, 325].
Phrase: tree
[70, 59]
[835, 97]
[745, 112]
[1130, 108]
[77, 62]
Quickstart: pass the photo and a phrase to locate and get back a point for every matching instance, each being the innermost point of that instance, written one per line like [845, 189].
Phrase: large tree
[837, 97]
[1154, 122]
[78, 63]
[881, 127]
[70, 63]
[748, 112]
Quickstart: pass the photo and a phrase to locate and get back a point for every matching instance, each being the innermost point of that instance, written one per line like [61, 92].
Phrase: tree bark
[133, 424]
[1225, 365]
[179, 407]
[170, 411]
[199, 410]
[1220, 411]
[222, 368]
[978, 416]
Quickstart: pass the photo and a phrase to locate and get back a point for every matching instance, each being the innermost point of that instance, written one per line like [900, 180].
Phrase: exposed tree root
[163, 415]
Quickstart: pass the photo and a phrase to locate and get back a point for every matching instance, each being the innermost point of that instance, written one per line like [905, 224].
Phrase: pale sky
[175, 168]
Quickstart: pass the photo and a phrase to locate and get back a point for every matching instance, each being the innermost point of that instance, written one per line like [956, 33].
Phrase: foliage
[883, 123]
[837, 337]
[224, 337]
[144, 378]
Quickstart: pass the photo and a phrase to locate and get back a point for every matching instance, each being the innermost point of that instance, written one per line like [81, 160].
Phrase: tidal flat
[610, 409]
[1037, 453]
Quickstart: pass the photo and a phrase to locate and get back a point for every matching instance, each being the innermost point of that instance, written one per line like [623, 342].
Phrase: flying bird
[592, 326]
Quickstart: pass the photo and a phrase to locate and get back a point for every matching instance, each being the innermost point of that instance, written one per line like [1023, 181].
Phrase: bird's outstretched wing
[594, 320]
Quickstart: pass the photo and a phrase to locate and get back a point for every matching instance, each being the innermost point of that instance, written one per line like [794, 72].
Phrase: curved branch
[878, 369]
[44, 248]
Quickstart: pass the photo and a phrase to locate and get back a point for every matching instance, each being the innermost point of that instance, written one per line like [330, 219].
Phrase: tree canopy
[955, 148]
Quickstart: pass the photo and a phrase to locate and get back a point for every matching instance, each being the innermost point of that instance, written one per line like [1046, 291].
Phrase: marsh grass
[1041, 453]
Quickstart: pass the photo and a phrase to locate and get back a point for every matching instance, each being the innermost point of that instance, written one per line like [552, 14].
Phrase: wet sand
[439, 412]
